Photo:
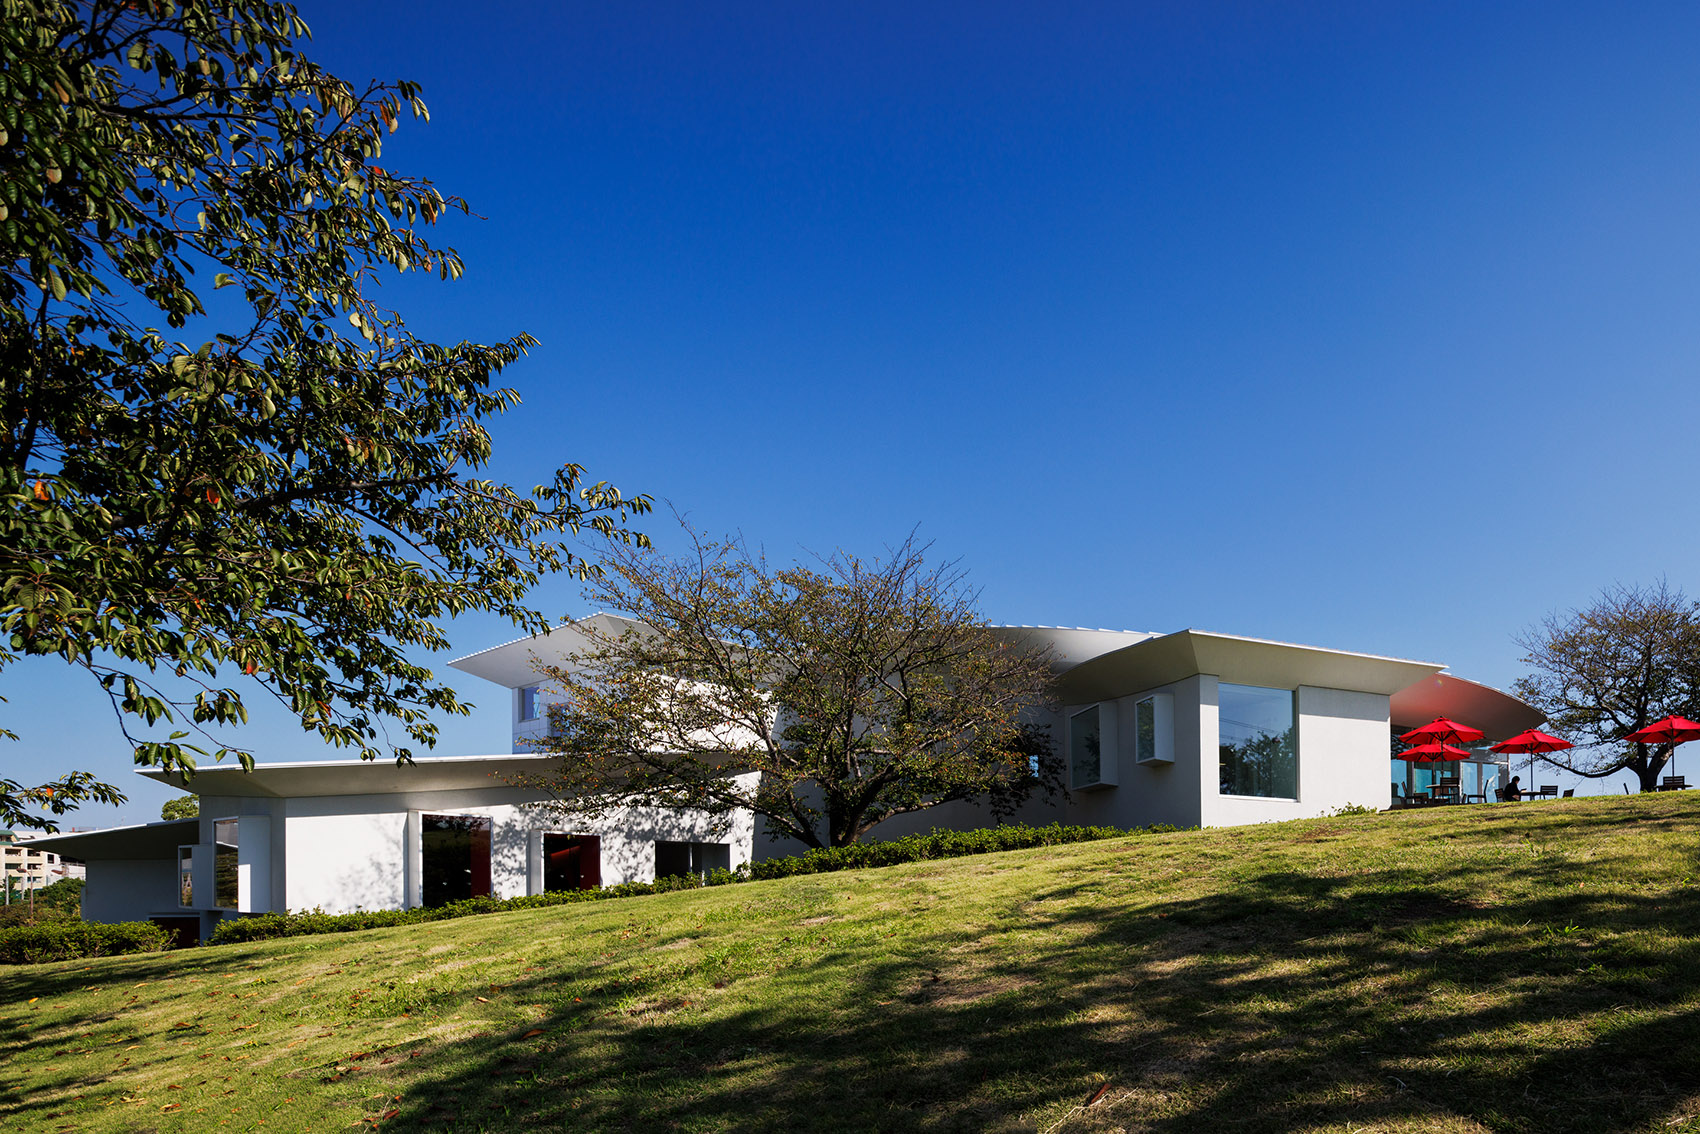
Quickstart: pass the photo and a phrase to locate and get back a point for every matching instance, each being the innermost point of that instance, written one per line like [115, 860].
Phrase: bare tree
[827, 699]
[1600, 673]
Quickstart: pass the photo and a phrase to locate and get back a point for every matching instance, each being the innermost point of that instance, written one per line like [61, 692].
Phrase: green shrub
[61, 901]
[65, 895]
[913, 848]
[938, 844]
[262, 927]
[66, 940]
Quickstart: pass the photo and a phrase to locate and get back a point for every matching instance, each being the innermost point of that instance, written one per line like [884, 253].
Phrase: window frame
[1162, 740]
[1107, 769]
[235, 852]
[186, 876]
[1293, 702]
[487, 876]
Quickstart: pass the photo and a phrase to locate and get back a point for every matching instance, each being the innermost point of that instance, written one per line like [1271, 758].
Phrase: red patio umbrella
[1673, 730]
[1530, 742]
[1444, 731]
[1432, 753]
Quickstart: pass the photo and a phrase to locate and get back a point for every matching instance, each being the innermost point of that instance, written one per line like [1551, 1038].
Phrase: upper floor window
[528, 703]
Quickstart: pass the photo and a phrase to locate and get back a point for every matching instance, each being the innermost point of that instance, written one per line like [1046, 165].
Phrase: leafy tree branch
[293, 495]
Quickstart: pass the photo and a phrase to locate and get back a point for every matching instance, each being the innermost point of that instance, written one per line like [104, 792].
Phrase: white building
[28, 867]
[1191, 728]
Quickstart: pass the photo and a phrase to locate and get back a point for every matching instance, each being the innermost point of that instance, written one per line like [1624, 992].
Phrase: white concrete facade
[342, 835]
[345, 851]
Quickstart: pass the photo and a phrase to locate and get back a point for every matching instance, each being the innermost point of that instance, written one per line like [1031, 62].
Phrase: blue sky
[1364, 325]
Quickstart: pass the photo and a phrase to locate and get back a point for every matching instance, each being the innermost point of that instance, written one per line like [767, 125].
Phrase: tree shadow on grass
[89, 1060]
[1294, 1000]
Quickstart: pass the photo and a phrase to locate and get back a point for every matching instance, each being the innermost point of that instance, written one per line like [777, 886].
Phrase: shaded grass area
[1530, 967]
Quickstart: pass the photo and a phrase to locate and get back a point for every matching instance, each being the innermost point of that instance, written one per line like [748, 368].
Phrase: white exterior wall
[1150, 793]
[364, 852]
[261, 863]
[345, 853]
[1342, 743]
[130, 889]
[1352, 733]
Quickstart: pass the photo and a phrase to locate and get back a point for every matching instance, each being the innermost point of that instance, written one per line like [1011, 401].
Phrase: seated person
[1514, 790]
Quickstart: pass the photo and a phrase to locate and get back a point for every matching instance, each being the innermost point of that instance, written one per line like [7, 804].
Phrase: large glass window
[1258, 744]
[572, 862]
[675, 860]
[456, 852]
[1085, 755]
[528, 703]
[226, 887]
[186, 876]
[1145, 730]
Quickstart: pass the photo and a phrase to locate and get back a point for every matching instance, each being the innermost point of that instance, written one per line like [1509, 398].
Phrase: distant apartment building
[31, 868]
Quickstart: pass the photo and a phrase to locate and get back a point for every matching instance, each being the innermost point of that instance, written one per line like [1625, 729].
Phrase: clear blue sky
[1371, 326]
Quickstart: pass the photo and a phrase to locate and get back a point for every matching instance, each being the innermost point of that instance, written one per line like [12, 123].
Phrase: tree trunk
[1649, 778]
[1649, 765]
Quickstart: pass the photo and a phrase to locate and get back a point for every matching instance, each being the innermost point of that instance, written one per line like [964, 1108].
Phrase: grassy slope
[1509, 967]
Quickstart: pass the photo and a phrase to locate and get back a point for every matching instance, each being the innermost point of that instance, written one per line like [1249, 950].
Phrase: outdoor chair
[1499, 795]
[1569, 792]
[1549, 791]
[1674, 783]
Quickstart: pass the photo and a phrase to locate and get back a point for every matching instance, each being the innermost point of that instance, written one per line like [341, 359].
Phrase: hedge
[912, 848]
[68, 940]
[938, 844]
[261, 927]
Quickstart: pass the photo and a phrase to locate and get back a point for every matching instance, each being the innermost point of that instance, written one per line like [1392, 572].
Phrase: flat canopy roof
[1072, 645]
[514, 664]
[144, 840]
[1417, 691]
[1469, 702]
[1249, 661]
[353, 777]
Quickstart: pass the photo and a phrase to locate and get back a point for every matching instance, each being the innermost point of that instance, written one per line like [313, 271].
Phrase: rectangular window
[456, 854]
[676, 860]
[572, 862]
[528, 703]
[1085, 753]
[1154, 729]
[226, 888]
[1258, 743]
[186, 876]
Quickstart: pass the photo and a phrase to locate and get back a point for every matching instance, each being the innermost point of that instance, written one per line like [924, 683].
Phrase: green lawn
[1529, 967]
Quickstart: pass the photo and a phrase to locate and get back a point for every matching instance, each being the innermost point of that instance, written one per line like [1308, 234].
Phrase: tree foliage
[826, 699]
[1600, 673]
[181, 807]
[220, 457]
